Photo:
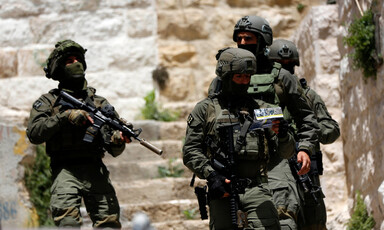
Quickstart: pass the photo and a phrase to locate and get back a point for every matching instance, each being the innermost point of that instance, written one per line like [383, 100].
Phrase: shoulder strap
[277, 85]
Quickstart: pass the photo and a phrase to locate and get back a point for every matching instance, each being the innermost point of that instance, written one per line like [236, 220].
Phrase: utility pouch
[242, 219]
[201, 194]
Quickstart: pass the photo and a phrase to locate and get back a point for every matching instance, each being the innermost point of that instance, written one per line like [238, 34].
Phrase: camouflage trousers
[87, 182]
[285, 194]
[256, 202]
[313, 216]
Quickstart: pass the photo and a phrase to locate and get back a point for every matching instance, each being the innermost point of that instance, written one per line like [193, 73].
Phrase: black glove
[217, 186]
[283, 128]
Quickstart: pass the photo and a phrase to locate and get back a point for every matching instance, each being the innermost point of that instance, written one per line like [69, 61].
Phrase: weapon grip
[151, 147]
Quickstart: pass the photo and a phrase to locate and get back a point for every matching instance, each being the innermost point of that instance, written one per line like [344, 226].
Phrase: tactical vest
[267, 87]
[68, 142]
[253, 156]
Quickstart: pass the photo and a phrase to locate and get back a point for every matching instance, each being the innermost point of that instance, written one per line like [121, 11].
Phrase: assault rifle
[304, 180]
[101, 117]
[223, 162]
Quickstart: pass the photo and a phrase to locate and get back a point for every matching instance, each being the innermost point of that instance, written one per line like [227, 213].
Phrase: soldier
[313, 212]
[77, 168]
[277, 86]
[221, 147]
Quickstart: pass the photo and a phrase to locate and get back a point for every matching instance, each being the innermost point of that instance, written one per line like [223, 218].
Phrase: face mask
[231, 88]
[74, 77]
[74, 71]
[253, 48]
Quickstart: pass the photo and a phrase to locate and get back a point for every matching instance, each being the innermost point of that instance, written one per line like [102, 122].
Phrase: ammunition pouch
[202, 198]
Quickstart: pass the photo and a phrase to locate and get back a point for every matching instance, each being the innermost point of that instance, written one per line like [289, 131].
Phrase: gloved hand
[128, 124]
[283, 128]
[217, 186]
[118, 138]
[78, 117]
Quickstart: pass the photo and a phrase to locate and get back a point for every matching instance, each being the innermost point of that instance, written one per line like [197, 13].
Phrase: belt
[62, 161]
[256, 181]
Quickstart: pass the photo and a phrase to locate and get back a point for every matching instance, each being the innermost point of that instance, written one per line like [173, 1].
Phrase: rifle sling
[241, 138]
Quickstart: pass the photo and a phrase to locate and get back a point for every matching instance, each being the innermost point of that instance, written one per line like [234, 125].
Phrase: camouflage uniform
[314, 214]
[77, 168]
[277, 86]
[251, 161]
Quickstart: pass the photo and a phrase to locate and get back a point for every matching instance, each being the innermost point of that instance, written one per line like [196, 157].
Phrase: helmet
[56, 60]
[282, 49]
[257, 25]
[234, 60]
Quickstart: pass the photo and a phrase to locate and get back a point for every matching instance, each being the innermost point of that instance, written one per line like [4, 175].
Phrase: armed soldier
[277, 86]
[77, 168]
[221, 147]
[313, 211]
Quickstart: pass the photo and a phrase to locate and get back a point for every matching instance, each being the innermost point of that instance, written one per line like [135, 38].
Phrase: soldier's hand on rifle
[78, 117]
[303, 158]
[118, 138]
[218, 186]
[280, 127]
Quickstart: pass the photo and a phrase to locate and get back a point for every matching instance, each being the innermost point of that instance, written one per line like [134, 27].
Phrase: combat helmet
[282, 49]
[56, 60]
[256, 25]
[234, 61]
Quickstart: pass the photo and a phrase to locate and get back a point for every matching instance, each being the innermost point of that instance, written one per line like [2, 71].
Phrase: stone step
[182, 225]
[123, 171]
[172, 210]
[135, 152]
[157, 130]
[173, 214]
[155, 190]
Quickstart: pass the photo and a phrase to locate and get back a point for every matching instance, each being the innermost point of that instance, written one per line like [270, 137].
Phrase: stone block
[8, 63]
[178, 55]
[15, 32]
[191, 25]
[32, 59]
[18, 9]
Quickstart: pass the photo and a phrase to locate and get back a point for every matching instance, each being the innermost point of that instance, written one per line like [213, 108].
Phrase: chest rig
[267, 87]
[250, 147]
[68, 141]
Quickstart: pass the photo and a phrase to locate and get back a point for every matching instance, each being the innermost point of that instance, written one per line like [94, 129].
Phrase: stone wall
[354, 162]
[15, 151]
[316, 39]
[191, 32]
[120, 37]
[362, 124]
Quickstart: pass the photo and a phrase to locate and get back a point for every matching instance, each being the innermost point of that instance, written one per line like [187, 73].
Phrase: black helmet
[282, 49]
[56, 60]
[257, 25]
[234, 60]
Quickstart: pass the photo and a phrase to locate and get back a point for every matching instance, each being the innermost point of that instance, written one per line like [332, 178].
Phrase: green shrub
[190, 214]
[38, 182]
[300, 7]
[151, 110]
[361, 36]
[360, 219]
[172, 170]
